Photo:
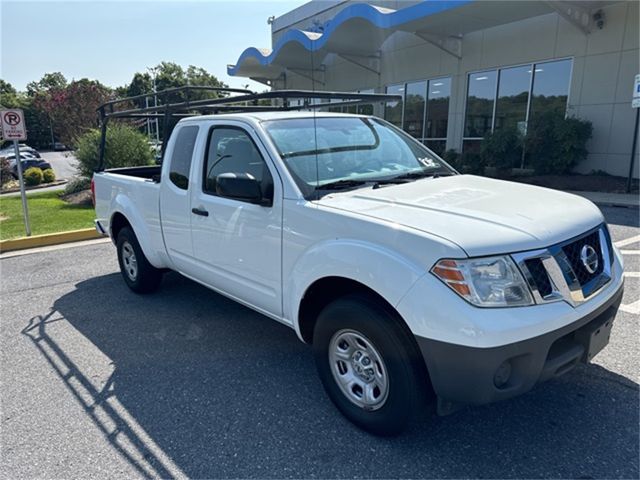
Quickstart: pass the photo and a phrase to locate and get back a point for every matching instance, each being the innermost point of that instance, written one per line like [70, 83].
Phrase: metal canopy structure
[244, 101]
[358, 31]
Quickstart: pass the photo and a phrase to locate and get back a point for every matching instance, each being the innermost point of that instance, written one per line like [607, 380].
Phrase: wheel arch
[117, 222]
[327, 289]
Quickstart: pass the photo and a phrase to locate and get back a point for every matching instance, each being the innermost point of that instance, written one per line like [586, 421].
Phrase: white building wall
[604, 65]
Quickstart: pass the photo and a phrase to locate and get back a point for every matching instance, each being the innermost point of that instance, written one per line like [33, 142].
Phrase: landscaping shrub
[125, 147]
[468, 162]
[77, 185]
[473, 163]
[502, 149]
[5, 171]
[33, 176]
[48, 176]
[453, 158]
[555, 144]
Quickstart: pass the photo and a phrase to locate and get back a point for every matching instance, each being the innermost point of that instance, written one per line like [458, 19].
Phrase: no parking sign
[13, 127]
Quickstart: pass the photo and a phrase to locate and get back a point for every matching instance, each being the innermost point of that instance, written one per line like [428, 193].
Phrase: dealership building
[465, 68]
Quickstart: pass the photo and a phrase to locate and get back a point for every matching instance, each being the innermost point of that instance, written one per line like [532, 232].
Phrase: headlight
[485, 282]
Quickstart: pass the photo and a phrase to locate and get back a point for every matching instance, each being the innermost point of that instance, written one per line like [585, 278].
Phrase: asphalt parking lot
[63, 163]
[99, 382]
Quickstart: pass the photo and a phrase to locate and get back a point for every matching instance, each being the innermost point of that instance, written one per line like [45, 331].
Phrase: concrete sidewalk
[611, 199]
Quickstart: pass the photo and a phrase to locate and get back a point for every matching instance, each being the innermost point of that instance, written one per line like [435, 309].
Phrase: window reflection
[481, 95]
[438, 108]
[548, 89]
[513, 96]
[366, 109]
[393, 110]
[415, 99]
[551, 87]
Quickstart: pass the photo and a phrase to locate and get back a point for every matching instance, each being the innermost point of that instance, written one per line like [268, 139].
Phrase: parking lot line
[627, 241]
[630, 252]
[633, 308]
[632, 274]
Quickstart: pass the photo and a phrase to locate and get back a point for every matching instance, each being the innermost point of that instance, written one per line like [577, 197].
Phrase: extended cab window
[181, 157]
[231, 150]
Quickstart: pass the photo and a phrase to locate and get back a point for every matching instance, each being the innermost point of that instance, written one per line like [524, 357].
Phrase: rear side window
[181, 157]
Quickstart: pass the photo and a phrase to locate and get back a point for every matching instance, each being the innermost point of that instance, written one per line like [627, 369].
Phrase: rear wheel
[139, 275]
[368, 365]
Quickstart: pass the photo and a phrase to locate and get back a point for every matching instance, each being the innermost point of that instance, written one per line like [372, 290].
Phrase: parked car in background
[6, 151]
[28, 163]
[58, 146]
[11, 157]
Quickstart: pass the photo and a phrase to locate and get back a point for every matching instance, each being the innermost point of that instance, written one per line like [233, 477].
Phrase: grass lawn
[48, 214]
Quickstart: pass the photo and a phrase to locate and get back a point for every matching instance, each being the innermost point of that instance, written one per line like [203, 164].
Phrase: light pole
[154, 72]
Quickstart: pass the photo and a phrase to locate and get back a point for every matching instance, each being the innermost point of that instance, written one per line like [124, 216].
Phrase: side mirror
[241, 186]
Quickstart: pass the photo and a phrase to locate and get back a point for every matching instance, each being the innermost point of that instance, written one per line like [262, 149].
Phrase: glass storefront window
[481, 95]
[366, 109]
[439, 93]
[414, 104]
[548, 90]
[513, 97]
[551, 87]
[437, 146]
[393, 110]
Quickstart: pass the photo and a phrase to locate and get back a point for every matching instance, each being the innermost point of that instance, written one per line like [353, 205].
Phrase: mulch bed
[78, 198]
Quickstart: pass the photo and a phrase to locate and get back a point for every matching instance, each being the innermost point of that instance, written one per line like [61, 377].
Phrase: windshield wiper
[338, 184]
[408, 177]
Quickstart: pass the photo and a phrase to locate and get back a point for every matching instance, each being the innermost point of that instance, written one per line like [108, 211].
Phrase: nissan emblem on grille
[589, 258]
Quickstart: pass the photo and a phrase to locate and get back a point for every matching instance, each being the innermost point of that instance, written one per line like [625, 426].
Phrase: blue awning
[361, 29]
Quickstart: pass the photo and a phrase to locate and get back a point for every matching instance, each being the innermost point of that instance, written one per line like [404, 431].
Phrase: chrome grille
[559, 272]
[573, 251]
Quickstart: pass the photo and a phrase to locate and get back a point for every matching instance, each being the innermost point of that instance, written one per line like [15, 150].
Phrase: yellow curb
[48, 239]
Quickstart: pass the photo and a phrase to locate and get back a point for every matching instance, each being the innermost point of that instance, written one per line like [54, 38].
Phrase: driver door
[239, 243]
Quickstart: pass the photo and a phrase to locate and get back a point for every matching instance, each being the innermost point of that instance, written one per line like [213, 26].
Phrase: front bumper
[470, 375]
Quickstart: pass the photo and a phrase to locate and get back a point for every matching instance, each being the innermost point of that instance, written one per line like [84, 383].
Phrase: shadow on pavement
[225, 392]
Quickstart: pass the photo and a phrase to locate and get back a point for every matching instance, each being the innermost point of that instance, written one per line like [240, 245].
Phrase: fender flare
[122, 204]
[388, 274]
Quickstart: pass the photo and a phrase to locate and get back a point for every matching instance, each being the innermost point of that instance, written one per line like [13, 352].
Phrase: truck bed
[151, 172]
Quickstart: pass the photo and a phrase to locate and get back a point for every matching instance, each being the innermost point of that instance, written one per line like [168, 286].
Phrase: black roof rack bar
[246, 101]
[162, 93]
[255, 97]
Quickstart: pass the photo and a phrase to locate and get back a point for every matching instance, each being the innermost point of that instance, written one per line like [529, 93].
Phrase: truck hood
[483, 216]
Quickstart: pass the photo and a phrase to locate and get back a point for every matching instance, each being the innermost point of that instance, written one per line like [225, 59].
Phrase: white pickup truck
[410, 281]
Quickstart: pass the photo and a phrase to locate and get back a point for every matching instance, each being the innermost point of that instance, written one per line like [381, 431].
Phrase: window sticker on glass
[429, 162]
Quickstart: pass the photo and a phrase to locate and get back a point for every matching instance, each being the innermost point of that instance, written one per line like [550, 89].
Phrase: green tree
[8, 94]
[38, 126]
[72, 109]
[48, 83]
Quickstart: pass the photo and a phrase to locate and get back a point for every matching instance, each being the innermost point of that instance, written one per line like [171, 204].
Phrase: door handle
[200, 212]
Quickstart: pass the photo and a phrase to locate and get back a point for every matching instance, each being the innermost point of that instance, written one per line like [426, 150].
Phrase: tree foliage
[72, 109]
[125, 147]
[48, 82]
[60, 110]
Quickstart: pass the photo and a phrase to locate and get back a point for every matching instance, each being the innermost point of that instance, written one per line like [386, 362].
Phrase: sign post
[13, 128]
[635, 103]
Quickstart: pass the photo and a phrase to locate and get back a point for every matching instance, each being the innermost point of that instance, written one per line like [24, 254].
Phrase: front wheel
[368, 365]
[139, 275]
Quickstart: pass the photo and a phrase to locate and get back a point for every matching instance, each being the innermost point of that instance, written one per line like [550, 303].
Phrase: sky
[110, 41]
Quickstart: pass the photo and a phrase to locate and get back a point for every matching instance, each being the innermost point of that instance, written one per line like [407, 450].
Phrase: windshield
[350, 151]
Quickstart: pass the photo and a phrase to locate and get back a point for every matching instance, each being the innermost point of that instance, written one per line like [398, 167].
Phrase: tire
[139, 275]
[379, 405]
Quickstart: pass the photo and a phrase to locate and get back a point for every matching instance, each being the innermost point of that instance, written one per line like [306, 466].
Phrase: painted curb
[48, 239]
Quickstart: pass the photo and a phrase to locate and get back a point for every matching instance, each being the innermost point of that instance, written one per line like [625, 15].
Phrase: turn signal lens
[485, 282]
